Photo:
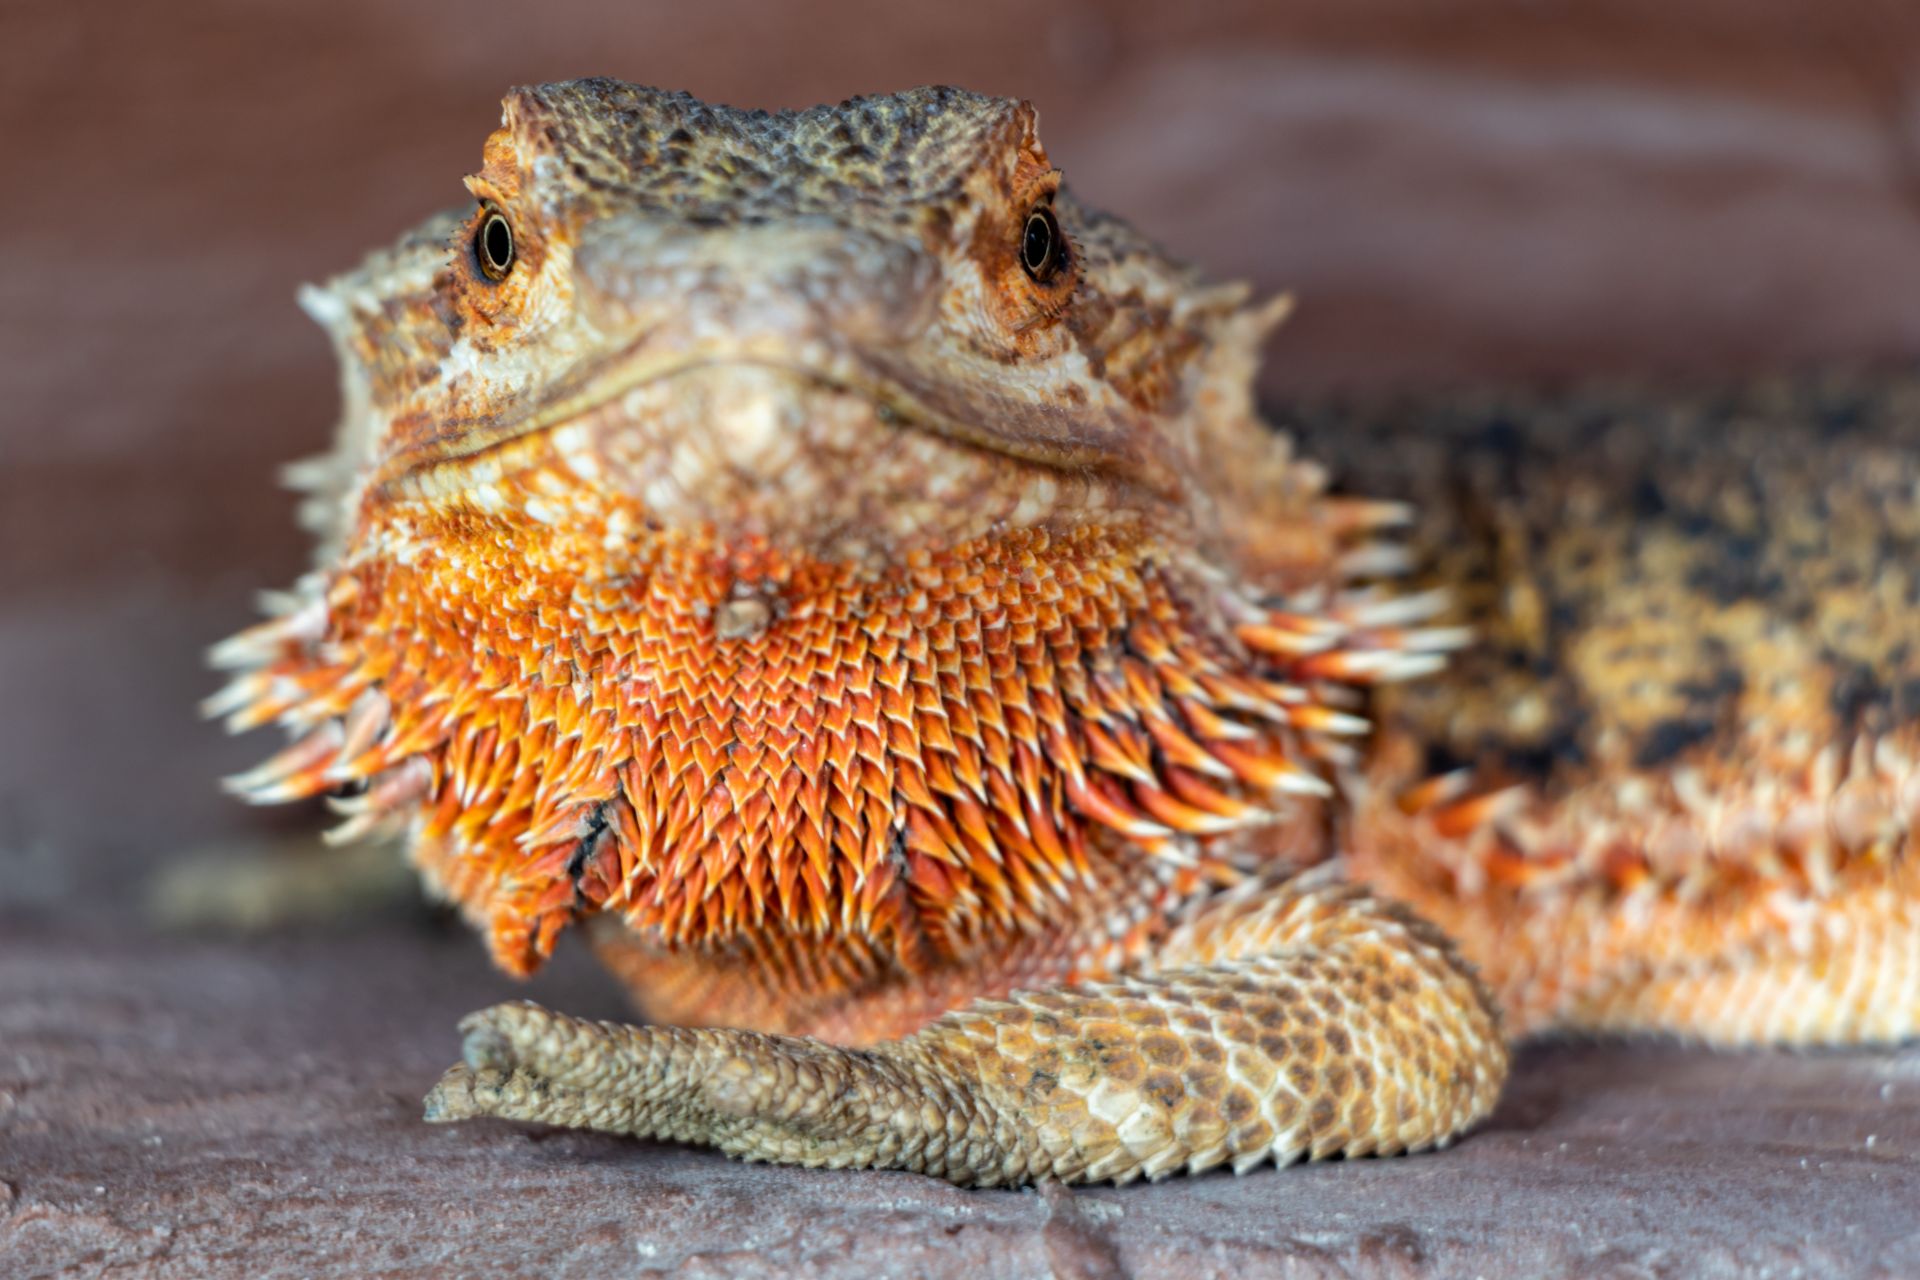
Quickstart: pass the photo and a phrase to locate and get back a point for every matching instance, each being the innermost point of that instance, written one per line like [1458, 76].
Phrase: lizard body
[1673, 784]
[851, 577]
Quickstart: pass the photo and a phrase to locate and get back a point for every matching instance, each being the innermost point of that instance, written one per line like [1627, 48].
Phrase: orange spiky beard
[853, 615]
[948, 765]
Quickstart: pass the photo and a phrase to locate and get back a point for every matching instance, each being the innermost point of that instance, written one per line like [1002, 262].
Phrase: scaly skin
[1674, 785]
[1347, 1027]
[903, 648]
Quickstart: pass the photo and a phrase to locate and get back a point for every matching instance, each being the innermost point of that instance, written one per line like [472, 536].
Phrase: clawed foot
[757, 1097]
[487, 1081]
[523, 1062]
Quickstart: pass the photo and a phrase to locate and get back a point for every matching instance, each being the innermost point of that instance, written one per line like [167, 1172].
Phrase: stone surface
[183, 1108]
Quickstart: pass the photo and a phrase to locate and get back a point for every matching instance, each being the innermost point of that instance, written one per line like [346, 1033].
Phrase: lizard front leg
[1291, 1018]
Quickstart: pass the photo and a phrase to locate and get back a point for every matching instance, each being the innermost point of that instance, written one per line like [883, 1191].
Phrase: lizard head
[815, 524]
[853, 331]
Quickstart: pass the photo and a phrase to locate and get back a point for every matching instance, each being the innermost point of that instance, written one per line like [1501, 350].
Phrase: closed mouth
[897, 399]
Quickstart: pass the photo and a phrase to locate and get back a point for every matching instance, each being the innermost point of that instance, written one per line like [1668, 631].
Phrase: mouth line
[893, 404]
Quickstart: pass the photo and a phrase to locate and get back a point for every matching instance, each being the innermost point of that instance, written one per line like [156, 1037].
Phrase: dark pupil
[496, 242]
[1036, 249]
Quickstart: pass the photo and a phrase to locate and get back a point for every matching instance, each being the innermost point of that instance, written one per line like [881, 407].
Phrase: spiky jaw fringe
[574, 711]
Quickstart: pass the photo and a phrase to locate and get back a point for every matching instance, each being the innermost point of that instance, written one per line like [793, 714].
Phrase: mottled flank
[850, 576]
[1674, 785]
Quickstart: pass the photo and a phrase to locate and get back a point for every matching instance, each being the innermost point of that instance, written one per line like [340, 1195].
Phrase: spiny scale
[935, 752]
[1752, 894]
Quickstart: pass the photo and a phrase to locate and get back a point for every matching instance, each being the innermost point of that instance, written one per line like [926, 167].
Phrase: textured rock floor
[180, 1108]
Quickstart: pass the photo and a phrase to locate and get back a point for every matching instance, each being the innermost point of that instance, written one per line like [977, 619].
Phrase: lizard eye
[493, 246]
[1042, 247]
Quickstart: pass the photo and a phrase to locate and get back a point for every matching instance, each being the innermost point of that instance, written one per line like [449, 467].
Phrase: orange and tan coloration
[851, 577]
[1674, 785]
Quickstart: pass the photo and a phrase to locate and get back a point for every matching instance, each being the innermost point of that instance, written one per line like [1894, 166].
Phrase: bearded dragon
[850, 577]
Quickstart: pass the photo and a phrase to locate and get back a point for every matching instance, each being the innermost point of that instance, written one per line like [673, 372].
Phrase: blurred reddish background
[1459, 190]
